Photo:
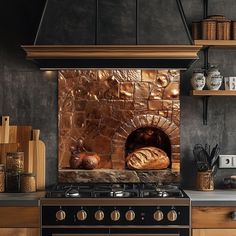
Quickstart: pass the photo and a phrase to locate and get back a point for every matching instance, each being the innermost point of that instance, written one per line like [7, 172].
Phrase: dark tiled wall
[29, 96]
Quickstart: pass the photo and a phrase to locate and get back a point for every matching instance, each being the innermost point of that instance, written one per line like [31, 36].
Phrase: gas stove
[108, 209]
[147, 190]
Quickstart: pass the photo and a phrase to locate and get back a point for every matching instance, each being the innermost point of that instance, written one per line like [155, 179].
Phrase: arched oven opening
[147, 139]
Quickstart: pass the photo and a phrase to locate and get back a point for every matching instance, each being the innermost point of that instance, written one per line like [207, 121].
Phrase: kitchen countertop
[198, 198]
[212, 198]
[21, 199]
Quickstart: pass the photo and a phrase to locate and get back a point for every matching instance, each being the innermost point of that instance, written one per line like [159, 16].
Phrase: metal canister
[27, 183]
[15, 161]
[209, 29]
[233, 28]
[2, 178]
[196, 30]
[223, 30]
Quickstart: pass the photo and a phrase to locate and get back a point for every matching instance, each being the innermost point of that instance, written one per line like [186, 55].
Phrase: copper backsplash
[103, 107]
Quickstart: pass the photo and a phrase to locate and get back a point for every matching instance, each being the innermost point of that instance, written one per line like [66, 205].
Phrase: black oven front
[120, 217]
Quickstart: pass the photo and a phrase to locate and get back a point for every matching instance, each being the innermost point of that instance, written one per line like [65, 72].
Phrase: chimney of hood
[113, 34]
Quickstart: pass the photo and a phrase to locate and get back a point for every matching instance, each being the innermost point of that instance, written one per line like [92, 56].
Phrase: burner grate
[127, 190]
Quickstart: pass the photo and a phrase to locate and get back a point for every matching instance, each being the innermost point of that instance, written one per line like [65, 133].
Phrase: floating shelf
[213, 93]
[205, 94]
[216, 43]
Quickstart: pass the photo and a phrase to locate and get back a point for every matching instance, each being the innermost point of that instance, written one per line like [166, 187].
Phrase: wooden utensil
[4, 130]
[37, 159]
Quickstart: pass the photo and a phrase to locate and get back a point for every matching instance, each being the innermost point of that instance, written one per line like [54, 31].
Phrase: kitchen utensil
[4, 130]
[215, 155]
[37, 159]
[201, 157]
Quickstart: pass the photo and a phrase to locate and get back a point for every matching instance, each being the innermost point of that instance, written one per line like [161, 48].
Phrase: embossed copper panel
[101, 108]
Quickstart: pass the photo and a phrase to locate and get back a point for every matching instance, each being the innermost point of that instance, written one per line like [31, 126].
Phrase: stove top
[124, 190]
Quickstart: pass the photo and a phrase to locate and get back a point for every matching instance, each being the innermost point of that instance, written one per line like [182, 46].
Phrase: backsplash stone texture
[29, 96]
[102, 108]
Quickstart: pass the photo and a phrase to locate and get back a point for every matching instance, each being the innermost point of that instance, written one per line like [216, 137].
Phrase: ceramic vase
[214, 79]
[198, 80]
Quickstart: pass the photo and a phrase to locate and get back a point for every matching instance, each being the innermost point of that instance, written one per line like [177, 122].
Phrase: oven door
[123, 231]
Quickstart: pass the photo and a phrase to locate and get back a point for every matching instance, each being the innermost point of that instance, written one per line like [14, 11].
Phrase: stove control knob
[172, 215]
[130, 215]
[60, 215]
[81, 215]
[99, 215]
[115, 215]
[158, 215]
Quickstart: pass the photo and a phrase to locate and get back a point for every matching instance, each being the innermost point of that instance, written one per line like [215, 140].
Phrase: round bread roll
[90, 161]
[148, 158]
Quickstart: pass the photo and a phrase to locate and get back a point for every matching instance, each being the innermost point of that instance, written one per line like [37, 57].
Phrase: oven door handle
[116, 234]
[162, 234]
[72, 234]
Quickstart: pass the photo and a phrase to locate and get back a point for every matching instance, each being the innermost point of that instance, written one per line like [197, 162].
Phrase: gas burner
[161, 191]
[116, 190]
[72, 193]
[127, 190]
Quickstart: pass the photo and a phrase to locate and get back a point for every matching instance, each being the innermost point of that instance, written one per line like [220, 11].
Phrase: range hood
[113, 34]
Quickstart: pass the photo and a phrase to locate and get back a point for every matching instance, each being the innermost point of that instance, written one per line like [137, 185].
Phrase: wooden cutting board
[23, 135]
[37, 166]
[5, 148]
[15, 136]
[4, 130]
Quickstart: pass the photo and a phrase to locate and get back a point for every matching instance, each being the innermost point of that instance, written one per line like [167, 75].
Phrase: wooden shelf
[213, 93]
[216, 43]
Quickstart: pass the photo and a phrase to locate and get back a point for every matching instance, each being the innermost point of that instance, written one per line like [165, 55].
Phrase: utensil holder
[205, 181]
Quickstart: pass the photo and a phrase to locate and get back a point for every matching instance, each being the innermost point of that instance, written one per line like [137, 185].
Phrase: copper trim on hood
[110, 56]
[112, 51]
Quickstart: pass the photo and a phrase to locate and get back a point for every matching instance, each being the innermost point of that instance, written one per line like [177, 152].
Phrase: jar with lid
[198, 79]
[12, 182]
[2, 178]
[15, 161]
[214, 78]
[27, 183]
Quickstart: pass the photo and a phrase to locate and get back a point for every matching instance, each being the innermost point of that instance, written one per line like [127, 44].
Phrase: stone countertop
[198, 198]
[212, 198]
[20, 199]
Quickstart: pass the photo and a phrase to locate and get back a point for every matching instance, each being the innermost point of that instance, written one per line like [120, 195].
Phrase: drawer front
[25, 217]
[214, 232]
[19, 232]
[213, 217]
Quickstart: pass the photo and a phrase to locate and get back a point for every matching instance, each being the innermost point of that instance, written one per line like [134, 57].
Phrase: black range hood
[113, 34]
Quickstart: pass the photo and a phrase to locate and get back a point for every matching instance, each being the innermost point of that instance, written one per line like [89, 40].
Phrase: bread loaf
[148, 158]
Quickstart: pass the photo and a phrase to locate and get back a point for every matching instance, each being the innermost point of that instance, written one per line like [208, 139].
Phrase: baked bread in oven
[147, 158]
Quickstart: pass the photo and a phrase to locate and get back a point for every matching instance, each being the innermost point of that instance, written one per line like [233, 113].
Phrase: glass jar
[27, 183]
[2, 178]
[15, 161]
[12, 182]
